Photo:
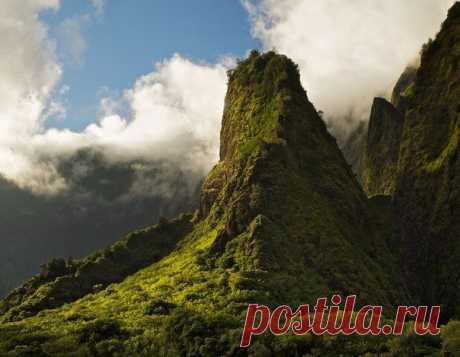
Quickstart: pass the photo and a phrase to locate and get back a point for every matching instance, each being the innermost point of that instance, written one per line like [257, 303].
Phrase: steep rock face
[282, 221]
[280, 167]
[382, 148]
[354, 148]
[428, 185]
[411, 154]
[372, 149]
[403, 90]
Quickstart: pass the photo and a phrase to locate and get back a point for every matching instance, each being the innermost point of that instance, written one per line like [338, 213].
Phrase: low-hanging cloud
[348, 51]
[171, 114]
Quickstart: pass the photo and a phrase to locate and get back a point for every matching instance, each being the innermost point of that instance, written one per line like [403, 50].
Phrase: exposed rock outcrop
[382, 149]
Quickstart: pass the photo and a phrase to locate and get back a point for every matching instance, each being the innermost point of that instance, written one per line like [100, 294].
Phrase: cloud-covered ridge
[348, 51]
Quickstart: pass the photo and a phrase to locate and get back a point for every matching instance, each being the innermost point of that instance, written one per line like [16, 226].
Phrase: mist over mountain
[102, 202]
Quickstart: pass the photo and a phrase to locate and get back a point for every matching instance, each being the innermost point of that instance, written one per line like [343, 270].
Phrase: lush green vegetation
[417, 164]
[428, 174]
[283, 220]
[62, 281]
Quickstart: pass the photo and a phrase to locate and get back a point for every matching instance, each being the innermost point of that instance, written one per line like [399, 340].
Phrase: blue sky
[125, 41]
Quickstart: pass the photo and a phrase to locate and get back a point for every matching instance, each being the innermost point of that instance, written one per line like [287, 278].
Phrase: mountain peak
[280, 171]
[268, 127]
[261, 84]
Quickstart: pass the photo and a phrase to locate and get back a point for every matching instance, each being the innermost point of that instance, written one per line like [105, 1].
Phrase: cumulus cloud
[175, 115]
[29, 71]
[170, 115]
[348, 51]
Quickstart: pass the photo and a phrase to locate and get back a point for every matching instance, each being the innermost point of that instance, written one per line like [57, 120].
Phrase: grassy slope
[62, 281]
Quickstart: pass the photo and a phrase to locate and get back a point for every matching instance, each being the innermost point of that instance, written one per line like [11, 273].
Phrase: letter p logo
[249, 328]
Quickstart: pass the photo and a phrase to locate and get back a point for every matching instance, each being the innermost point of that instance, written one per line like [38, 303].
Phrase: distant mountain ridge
[103, 202]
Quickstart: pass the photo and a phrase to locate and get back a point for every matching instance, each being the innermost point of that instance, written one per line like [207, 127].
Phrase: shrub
[159, 307]
[99, 330]
[451, 338]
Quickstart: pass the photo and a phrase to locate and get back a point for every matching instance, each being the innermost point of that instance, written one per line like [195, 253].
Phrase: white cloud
[348, 51]
[29, 71]
[175, 115]
[171, 114]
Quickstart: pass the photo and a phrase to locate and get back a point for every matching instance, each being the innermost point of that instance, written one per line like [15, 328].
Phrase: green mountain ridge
[103, 202]
[428, 173]
[411, 155]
